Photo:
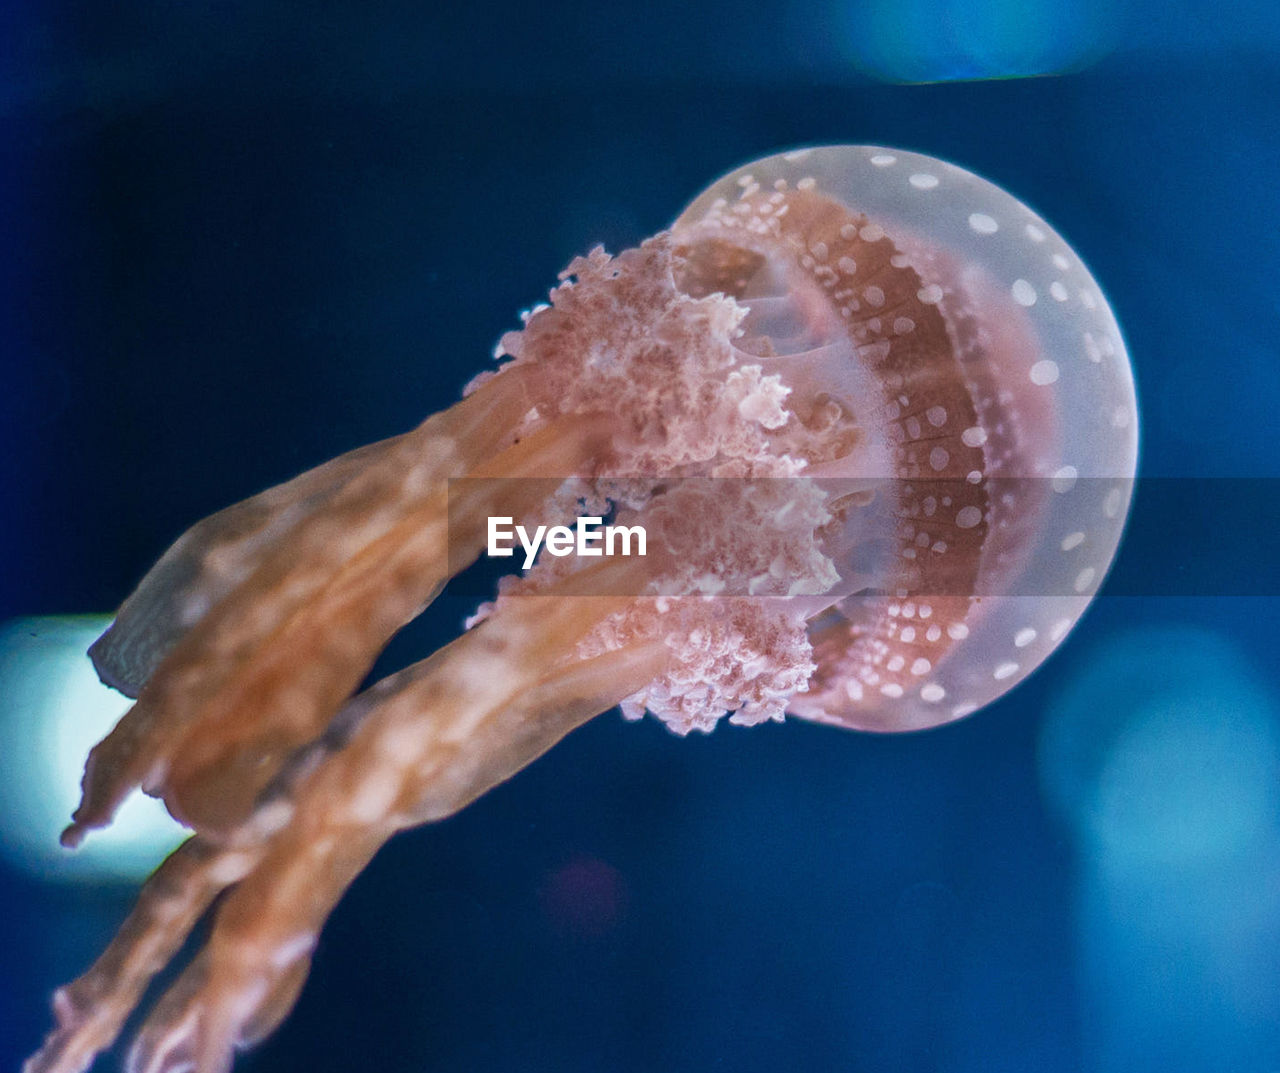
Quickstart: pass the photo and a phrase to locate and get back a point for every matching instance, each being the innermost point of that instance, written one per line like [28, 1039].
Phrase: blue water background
[241, 238]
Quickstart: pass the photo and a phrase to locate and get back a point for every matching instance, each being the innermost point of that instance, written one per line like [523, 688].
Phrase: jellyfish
[878, 423]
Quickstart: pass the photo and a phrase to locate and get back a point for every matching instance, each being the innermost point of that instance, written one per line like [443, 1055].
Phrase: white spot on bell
[1064, 479]
[1044, 372]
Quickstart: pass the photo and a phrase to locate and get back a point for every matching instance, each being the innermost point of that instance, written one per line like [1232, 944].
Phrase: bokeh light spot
[54, 710]
[584, 898]
[955, 40]
[1162, 752]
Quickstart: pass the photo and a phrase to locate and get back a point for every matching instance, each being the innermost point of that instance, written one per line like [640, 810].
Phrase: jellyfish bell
[880, 424]
[977, 352]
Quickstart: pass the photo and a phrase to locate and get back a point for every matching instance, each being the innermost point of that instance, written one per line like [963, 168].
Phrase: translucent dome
[1013, 433]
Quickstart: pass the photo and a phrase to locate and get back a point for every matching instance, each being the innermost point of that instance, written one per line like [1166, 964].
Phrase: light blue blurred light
[1161, 753]
[54, 710]
[956, 40]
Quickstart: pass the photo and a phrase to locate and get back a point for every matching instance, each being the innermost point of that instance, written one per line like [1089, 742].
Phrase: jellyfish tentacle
[220, 552]
[471, 739]
[288, 569]
[91, 1010]
[211, 728]
[229, 753]
[465, 720]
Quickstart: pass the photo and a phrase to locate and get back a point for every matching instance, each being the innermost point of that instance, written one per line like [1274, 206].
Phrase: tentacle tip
[36, 1063]
[73, 834]
[64, 1007]
[58, 1055]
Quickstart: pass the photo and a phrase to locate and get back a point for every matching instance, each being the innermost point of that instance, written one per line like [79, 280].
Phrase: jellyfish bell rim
[989, 227]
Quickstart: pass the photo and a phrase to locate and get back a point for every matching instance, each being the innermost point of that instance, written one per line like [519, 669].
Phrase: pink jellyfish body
[980, 355]
[878, 424]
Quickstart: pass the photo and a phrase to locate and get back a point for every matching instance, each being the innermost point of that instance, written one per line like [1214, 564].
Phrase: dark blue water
[239, 241]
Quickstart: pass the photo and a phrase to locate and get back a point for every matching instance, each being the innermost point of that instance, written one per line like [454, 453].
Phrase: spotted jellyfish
[878, 423]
